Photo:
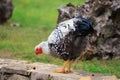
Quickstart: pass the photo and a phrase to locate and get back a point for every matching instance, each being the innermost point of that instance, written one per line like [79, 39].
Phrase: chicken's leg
[69, 66]
[63, 68]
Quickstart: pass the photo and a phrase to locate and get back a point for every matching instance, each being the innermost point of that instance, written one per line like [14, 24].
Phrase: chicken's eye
[65, 26]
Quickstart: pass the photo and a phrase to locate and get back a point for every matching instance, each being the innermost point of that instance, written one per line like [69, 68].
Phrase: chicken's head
[42, 48]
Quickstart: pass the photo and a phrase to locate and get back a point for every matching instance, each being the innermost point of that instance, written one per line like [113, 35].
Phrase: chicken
[67, 41]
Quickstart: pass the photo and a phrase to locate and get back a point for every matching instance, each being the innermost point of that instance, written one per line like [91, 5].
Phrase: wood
[6, 10]
[104, 14]
[23, 70]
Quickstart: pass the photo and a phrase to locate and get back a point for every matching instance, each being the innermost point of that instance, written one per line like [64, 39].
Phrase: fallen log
[23, 70]
[104, 15]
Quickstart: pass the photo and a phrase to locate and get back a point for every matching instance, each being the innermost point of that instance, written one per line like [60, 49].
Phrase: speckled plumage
[67, 41]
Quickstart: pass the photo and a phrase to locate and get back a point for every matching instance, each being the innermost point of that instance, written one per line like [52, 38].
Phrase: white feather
[62, 30]
[44, 46]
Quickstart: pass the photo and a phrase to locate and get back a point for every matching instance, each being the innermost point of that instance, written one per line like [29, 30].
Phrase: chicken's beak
[38, 51]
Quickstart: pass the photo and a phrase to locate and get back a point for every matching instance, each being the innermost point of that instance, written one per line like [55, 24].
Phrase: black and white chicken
[67, 41]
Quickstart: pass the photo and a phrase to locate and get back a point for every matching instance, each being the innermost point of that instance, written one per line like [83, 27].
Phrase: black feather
[70, 46]
[83, 26]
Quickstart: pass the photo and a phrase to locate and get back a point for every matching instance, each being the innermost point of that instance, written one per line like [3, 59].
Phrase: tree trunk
[6, 9]
[105, 16]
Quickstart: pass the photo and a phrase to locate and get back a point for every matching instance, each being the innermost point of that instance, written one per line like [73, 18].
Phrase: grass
[37, 19]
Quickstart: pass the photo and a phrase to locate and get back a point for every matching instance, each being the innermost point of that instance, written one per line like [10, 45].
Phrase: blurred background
[32, 22]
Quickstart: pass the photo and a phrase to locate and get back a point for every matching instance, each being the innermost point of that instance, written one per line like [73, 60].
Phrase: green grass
[37, 18]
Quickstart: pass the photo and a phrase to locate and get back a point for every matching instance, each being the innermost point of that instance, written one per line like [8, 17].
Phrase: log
[104, 15]
[23, 70]
[6, 10]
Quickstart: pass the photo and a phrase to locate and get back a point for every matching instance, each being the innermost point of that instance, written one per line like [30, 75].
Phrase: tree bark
[105, 16]
[6, 10]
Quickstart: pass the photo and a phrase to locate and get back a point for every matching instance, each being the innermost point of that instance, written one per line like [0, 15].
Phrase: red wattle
[38, 51]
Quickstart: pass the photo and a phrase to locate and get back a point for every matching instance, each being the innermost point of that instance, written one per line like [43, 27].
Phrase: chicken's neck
[45, 47]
